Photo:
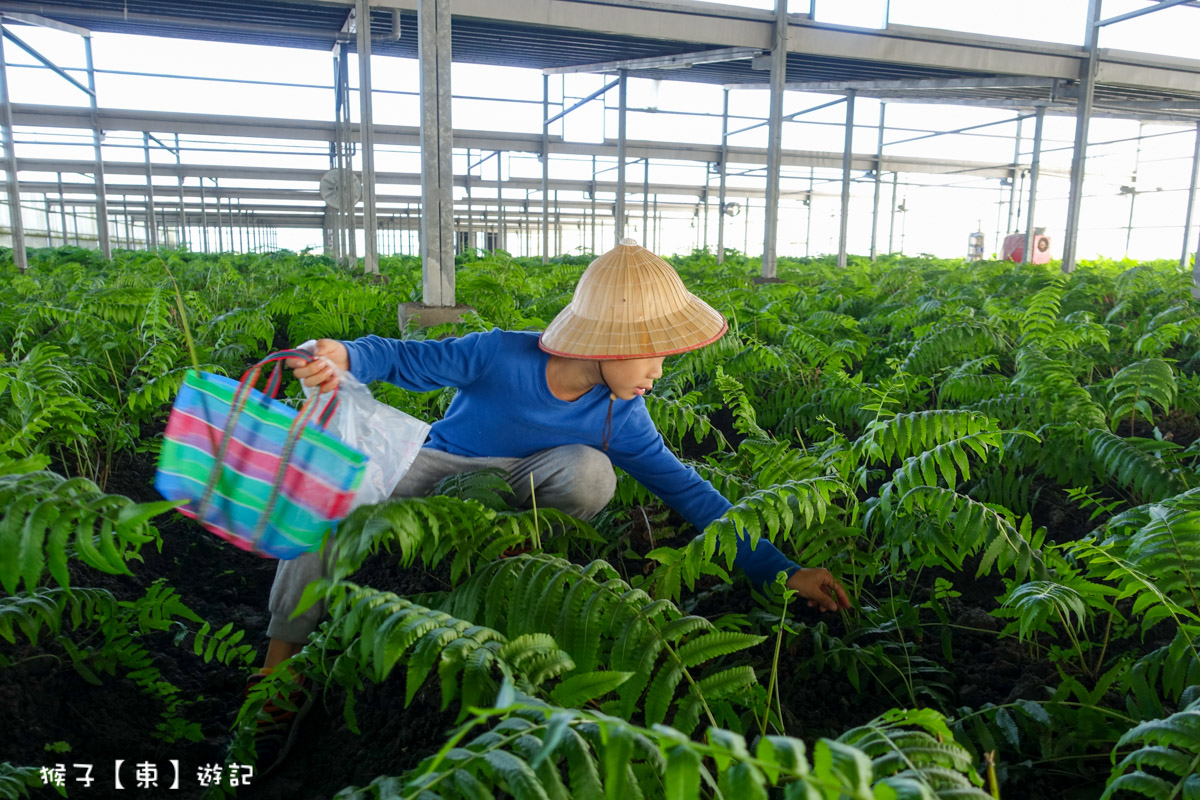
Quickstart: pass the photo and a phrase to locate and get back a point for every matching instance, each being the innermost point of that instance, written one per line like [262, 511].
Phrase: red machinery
[1014, 248]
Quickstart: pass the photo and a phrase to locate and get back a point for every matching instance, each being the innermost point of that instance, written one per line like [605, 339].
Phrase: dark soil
[44, 701]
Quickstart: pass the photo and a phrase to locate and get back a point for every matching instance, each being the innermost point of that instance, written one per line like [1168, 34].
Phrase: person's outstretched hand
[330, 353]
[820, 588]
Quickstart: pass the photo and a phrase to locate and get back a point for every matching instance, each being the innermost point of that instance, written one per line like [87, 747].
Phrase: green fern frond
[1041, 311]
[1130, 468]
[48, 519]
[538, 751]
[1167, 764]
[1139, 384]
[677, 418]
[774, 512]
[956, 527]
[598, 619]
[905, 435]
[15, 782]
[965, 337]
[914, 754]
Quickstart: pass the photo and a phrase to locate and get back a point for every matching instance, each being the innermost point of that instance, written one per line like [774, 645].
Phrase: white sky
[939, 217]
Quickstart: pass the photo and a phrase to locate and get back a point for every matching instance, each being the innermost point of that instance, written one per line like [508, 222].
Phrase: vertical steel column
[1137, 163]
[646, 202]
[12, 185]
[892, 224]
[182, 211]
[844, 223]
[593, 193]
[367, 138]
[437, 152]
[1014, 219]
[151, 226]
[878, 182]
[545, 169]
[101, 199]
[721, 189]
[1191, 199]
[658, 224]
[203, 215]
[62, 208]
[775, 138]
[470, 210]
[619, 227]
[1083, 117]
[128, 233]
[220, 231]
[809, 202]
[1034, 167]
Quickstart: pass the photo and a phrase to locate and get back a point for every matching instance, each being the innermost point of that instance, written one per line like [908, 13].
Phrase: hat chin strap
[606, 432]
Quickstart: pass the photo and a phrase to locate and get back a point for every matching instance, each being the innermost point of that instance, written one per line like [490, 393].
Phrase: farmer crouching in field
[564, 406]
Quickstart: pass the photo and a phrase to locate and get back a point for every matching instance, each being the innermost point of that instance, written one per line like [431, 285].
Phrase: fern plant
[536, 750]
[1167, 764]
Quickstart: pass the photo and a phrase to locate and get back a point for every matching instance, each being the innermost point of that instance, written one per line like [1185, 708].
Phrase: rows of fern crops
[933, 432]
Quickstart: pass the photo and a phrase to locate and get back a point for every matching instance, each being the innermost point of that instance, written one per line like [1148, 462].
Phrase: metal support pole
[179, 180]
[470, 210]
[62, 208]
[808, 222]
[1137, 163]
[1191, 201]
[593, 193]
[220, 230]
[724, 171]
[892, 224]
[545, 169]
[437, 167]
[646, 202]
[1034, 167]
[203, 216]
[775, 138]
[101, 199]
[502, 223]
[367, 137]
[1083, 117]
[1014, 219]
[151, 227]
[878, 183]
[128, 231]
[12, 185]
[619, 227]
[844, 222]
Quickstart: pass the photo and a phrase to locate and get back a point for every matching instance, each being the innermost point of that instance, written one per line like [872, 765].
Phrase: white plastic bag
[389, 438]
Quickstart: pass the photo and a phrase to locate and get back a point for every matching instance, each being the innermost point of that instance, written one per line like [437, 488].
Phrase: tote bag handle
[240, 397]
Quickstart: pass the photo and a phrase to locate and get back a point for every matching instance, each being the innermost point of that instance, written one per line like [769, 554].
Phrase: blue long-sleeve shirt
[504, 408]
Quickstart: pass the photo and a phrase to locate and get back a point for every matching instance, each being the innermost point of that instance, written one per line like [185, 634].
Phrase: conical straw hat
[629, 303]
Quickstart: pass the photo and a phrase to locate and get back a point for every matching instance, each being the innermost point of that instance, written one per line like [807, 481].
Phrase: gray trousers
[573, 478]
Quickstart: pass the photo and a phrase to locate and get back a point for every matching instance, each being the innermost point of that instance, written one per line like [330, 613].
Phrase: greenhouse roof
[898, 63]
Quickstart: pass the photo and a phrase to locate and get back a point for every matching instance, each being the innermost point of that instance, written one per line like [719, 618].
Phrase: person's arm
[639, 449]
[423, 365]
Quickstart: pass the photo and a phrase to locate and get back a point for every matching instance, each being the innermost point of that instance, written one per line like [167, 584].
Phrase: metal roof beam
[45, 22]
[1137, 12]
[924, 84]
[676, 61]
[311, 130]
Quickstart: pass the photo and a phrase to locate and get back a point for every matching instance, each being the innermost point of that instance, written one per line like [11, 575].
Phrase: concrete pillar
[437, 168]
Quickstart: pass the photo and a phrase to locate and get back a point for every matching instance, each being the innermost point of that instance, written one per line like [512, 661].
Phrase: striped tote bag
[253, 470]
